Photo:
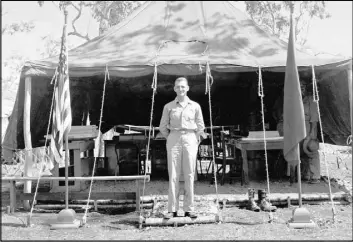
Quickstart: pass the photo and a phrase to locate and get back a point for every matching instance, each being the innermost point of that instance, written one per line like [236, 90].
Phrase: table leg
[245, 166]
[138, 206]
[13, 195]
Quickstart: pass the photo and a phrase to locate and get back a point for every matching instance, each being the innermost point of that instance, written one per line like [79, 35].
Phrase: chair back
[205, 149]
[223, 148]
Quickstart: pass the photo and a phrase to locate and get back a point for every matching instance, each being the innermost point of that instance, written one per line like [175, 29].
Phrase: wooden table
[245, 144]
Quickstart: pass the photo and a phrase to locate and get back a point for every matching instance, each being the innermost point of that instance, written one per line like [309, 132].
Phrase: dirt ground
[246, 224]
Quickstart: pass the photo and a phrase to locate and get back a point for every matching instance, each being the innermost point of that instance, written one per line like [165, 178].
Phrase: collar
[187, 99]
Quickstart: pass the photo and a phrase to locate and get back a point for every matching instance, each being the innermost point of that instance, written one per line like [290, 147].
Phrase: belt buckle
[183, 131]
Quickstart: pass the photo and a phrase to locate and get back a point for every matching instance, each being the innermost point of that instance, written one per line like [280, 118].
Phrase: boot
[264, 202]
[252, 206]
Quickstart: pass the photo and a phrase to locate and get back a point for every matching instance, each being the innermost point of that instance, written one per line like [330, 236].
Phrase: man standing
[182, 125]
[310, 157]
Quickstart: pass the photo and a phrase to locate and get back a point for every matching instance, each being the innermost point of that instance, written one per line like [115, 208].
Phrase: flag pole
[66, 172]
[299, 180]
[294, 126]
[66, 217]
[298, 150]
[66, 143]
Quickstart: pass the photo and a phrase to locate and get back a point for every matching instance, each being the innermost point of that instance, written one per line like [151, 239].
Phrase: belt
[183, 131]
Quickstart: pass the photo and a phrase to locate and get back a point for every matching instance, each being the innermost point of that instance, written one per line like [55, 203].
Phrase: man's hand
[201, 137]
[204, 135]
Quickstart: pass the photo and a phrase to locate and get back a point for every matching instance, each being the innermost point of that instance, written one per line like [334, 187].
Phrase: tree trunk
[103, 26]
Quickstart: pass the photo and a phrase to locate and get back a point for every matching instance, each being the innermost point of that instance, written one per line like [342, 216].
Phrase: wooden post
[12, 196]
[95, 206]
[137, 195]
[27, 138]
[78, 171]
[245, 166]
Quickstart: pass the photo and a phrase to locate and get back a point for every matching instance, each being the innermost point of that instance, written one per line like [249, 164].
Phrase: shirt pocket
[175, 113]
[189, 114]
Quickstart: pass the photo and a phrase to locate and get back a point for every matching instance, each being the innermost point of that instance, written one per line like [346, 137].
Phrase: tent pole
[349, 76]
[27, 139]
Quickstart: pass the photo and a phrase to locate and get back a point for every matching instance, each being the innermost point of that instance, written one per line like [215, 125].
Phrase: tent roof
[178, 37]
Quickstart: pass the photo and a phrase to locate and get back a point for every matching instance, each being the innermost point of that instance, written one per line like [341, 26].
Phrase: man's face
[181, 88]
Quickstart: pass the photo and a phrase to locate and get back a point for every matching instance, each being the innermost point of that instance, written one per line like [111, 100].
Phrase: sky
[48, 21]
[333, 35]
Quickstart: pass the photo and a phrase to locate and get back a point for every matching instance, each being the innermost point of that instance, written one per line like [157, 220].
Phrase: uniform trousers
[181, 151]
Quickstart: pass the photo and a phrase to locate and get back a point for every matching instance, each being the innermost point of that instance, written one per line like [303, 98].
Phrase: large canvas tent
[176, 38]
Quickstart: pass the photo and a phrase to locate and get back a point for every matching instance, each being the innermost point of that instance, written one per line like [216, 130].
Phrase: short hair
[179, 79]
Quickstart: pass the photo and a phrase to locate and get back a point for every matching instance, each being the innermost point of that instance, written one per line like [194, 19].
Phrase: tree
[16, 27]
[273, 16]
[51, 46]
[107, 13]
[12, 64]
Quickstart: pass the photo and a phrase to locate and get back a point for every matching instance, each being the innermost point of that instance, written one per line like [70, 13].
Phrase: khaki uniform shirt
[177, 116]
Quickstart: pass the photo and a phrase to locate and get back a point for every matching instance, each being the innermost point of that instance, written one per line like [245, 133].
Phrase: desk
[77, 166]
[245, 144]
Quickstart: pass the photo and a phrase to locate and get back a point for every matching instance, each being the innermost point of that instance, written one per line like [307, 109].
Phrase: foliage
[11, 72]
[274, 16]
[12, 65]
[107, 13]
[52, 46]
[113, 11]
[16, 27]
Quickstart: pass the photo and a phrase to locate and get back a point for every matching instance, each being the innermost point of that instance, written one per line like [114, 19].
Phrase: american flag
[62, 105]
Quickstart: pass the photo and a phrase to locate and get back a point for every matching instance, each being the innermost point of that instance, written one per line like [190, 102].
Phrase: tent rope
[106, 76]
[316, 99]
[261, 95]
[209, 78]
[154, 88]
[45, 145]
[209, 82]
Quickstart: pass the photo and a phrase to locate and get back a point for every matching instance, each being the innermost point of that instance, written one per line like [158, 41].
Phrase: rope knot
[209, 78]
[154, 80]
[315, 91]
[54, 76]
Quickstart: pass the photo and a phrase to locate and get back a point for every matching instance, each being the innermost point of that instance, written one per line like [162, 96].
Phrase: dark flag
[62, 118]
[293, 111]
